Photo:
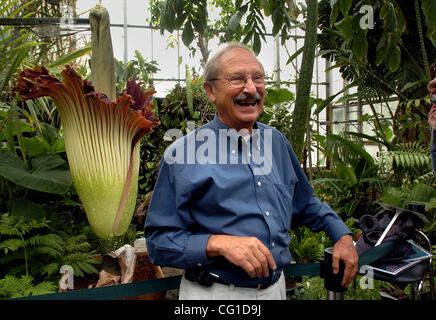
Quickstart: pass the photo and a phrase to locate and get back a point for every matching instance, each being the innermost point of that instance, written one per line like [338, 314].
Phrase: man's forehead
[238, 56]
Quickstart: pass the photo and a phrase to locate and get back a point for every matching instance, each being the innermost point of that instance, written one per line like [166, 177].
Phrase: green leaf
[354, 147]
[324, 103]
[384, 10]
[189, 91]
[167, 19]
[380, 55]
[267, 6]
[429, 9]
[179, 6]
[235, 20]
[47, 176]
[346, 27]
[22, 207]
[188, 34]
[34, 146]
[256, 43]
[347, 174]
[17, 59]
[296, 54]
[12, 245]
[335, 11]
[278, 95]
[71, 56]
[345, 6]
[394, 58]
[359, 45]
[277, 18]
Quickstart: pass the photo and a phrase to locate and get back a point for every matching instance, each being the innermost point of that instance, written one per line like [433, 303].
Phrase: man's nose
[249, 87]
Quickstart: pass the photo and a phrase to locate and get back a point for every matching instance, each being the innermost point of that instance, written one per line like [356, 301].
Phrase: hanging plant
[101, 132]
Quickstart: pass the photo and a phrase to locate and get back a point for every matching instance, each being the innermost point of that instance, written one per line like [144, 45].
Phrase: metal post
[277, 60]
[333, 295]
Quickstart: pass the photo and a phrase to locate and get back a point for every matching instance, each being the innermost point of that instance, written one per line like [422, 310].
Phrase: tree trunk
[298, 125]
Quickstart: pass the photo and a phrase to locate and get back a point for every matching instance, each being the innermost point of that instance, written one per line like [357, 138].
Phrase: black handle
[332, 282]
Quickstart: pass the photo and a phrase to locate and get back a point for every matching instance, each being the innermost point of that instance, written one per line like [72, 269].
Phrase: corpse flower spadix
[101, 140]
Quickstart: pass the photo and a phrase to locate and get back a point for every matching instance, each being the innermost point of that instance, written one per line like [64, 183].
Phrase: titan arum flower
[101, 140]
[102, 133]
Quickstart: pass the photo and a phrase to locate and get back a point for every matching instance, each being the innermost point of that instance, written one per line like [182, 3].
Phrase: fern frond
[45, 287]
[49, 251]
[410, 159]
[12, 245]
[13, 287]
[407, 155]
[421, 192]
[77, 244]
[429, 179]
[8, 226]
[81, 262]
[51, 269]
[48, 240]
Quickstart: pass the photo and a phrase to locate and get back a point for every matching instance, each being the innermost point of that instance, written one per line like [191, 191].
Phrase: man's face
[237, 107]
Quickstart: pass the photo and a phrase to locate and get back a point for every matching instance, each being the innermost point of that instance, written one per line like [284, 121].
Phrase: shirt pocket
[285, 196]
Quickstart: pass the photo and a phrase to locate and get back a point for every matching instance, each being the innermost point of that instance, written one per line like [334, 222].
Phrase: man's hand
[247, 252]
[344, 250]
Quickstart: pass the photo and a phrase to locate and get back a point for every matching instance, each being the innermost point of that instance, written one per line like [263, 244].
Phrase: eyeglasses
[240, 81]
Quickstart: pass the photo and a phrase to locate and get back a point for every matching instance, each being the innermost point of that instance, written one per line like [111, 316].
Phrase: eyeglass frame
[244, 82]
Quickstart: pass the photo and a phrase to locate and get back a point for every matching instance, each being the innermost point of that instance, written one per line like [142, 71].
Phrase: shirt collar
[218, 124]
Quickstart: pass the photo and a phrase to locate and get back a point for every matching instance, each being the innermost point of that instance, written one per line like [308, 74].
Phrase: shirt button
[273, 244]
[267, 213]
[233, 151]
[259, 183]
[199, 264]
[249, 154]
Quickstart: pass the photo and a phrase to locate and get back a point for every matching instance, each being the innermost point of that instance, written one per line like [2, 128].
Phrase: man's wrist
[213, 246]
[345, 236]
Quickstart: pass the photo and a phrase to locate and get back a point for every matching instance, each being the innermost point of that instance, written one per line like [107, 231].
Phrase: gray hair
[212, 65]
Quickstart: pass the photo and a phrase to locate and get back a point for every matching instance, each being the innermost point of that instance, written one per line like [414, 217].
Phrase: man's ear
[210, 91]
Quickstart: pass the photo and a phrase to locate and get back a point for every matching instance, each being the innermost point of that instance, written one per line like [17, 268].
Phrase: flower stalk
[102, 132]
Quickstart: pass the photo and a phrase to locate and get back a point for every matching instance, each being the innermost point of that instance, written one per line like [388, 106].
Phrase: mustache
[242, 96]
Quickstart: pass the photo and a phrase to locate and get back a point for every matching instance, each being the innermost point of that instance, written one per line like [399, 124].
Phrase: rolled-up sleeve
[167, 228]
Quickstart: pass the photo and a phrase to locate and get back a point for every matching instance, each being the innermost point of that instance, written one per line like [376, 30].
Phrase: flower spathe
[101, 140]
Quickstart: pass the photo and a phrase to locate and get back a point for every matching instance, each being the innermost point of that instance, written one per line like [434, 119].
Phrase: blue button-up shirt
[213, 181]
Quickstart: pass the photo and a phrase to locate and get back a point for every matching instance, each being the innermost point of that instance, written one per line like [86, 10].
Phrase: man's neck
[243, 130]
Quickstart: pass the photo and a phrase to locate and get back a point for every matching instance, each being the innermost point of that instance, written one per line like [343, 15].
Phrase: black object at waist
[205, 279]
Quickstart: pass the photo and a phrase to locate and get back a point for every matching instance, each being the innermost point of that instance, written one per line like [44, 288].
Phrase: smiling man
[226, 222]
[238, 103]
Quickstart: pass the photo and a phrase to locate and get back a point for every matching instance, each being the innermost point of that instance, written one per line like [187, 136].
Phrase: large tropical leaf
[46, 175]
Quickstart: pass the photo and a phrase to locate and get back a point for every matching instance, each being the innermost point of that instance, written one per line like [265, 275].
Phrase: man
[432, 122]
[224, 216]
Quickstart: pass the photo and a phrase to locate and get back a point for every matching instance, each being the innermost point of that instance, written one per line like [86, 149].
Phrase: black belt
[205, 279]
